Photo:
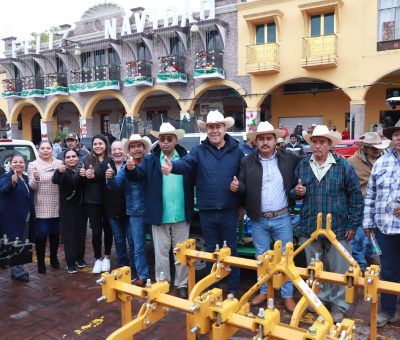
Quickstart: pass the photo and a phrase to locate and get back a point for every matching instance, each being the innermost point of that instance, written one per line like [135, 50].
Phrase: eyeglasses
[168, 139]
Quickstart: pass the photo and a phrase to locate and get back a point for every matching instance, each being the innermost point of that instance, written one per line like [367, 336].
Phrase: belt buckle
[271, 214]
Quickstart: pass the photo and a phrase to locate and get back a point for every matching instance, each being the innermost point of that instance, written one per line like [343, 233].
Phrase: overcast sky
[22, 17]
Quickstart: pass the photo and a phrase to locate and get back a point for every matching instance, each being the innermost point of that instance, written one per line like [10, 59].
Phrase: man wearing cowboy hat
[216, 162]
[328, 184]
[135, 148]
[382, 218]
[265, 180]
[372, 147]
[169, 202]
[72, 141]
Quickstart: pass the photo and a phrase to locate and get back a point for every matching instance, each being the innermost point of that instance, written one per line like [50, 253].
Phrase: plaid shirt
[337, 193]
[383, 194]
[47, 198]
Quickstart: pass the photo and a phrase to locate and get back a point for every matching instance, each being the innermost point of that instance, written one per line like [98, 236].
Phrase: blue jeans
[219, 226]
[137, 231]
[361, 248]
[278, 228]
[390, 269]
[46, 226]
[119, 227]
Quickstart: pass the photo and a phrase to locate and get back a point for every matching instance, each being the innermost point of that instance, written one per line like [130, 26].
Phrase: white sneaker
[106, 265]
[97, 267]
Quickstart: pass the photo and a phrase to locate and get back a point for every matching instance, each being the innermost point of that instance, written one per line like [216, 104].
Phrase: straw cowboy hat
[137, 138]
[373, 140]
[280, 140]
[389, 131]
[168, 129]
[263, 128]
[216, 117]
[323, 131]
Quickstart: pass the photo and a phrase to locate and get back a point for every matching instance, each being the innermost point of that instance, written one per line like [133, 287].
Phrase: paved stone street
[57, 305]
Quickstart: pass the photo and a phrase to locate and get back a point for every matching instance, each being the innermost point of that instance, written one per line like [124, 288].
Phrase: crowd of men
[362, 194]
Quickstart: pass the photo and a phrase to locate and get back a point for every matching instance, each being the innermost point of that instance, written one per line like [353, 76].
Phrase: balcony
[32, 86]
[320, 52]
[262, 58]
[55, 84]
[11, 88]
[209, 65]
[138, 73]
[172, 70]
[95, 78]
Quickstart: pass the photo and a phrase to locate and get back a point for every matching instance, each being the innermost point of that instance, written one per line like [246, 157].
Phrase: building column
[85, 127]
[252, 119]
[357, 118]
[46, 130]
[15, 133]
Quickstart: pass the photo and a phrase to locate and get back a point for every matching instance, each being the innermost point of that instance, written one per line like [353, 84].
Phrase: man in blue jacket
[169, 202]
[216, 162]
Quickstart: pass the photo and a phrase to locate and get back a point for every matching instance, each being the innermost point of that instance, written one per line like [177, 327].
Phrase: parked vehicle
[346, 148]
[8, 147]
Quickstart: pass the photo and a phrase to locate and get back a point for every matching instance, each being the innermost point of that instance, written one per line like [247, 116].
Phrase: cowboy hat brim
[334, 136]
[277, 132]
[179, 133]
[381, 146]
[227, 121]
[145, 142]
[389, 131]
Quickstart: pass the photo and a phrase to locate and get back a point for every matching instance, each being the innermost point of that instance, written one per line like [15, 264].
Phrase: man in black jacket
[72, 141]
[265, 179]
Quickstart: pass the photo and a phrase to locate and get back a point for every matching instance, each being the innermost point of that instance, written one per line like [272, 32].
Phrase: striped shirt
[383, 195]
[47, 202]
[337, 193]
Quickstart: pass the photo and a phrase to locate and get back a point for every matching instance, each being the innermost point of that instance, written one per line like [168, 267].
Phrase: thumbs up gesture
[90, 172]
[166, 168]
[130, 164]
[82, 171]
[14, 179]
[36, 174]
[300, 189]
[109, 171]
[62, 168]
[234, 184]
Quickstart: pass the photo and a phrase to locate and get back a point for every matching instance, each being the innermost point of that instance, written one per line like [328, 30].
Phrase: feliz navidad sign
[170, 16]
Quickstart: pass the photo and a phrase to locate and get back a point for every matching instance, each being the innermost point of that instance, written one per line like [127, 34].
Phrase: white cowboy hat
[280, 140]
[137, 138]
[168, 129]
[373, 140]
[323, 131]
[216, 117]
[266, 127]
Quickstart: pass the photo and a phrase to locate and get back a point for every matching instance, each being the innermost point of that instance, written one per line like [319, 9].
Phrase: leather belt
[272, 214]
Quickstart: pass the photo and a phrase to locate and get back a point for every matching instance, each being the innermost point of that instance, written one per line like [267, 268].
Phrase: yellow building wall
[27, 114]
[359, 62]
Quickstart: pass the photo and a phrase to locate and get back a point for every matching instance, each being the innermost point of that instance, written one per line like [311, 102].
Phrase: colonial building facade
[321, 61]
[119, 73]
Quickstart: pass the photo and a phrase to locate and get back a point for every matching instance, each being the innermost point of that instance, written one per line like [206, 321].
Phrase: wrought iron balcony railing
[138, 68]
[323, 45]
[172, 69]
[209, 64]
[95, 73]
[11, 86]
[32, 82]
[262, 58]
[55, 79]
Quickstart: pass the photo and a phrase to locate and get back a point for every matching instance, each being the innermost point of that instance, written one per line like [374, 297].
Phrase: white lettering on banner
[110, 25]
[306, 290]
[126, 26]
[140, 21]
[110, 29]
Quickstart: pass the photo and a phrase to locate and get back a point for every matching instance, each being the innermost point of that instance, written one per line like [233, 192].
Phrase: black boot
[40, 254]
[54, 241]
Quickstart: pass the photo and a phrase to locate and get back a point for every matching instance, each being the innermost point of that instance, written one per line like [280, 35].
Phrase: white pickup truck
[8, 147]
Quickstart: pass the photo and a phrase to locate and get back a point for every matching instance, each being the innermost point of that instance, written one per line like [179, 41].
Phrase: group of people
[132, 188]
